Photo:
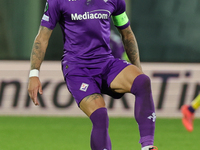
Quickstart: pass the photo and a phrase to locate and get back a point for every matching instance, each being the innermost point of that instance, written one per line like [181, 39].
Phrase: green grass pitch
[73, 133]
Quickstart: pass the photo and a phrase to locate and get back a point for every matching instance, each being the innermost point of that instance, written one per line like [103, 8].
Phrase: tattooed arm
[130, 45]
[39, 47]
[37, 56]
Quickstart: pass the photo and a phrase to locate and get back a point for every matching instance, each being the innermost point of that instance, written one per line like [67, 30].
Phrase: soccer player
[90, 69]
[188, 113]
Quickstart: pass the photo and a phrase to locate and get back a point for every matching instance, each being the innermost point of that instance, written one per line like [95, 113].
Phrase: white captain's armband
[34, 73]
[120, 20]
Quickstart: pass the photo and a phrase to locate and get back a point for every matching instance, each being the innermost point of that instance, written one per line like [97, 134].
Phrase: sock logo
[84, 87]
[153, 117]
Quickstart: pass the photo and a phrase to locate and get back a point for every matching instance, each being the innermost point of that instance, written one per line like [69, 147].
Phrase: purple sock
[191, 109]
[100, 139]
[144, 109]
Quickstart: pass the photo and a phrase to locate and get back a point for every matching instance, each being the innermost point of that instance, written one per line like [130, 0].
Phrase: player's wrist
[34, 73]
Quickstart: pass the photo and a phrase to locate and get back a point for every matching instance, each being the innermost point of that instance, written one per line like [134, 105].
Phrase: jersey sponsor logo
[84, 87]
[153, 117]
[95, 14]
[45, 18]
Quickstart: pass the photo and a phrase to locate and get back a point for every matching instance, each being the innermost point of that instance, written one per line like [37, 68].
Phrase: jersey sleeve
[51, 14]
[119, 16]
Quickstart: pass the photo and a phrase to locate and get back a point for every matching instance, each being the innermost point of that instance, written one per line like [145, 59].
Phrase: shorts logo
[84, 87]
[126, 62]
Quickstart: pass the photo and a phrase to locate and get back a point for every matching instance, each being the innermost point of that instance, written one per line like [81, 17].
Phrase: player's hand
[34, 86]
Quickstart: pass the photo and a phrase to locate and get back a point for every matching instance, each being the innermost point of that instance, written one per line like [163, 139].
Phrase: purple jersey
[86, 27]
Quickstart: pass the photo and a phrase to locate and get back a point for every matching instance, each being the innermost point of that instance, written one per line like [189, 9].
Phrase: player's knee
[100, 118]
[141, 84]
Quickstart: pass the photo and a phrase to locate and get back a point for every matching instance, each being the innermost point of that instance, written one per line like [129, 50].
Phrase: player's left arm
[121, 21]
[130, 46]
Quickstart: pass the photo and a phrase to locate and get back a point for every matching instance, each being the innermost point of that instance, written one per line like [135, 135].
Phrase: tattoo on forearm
[37, 56]
[39, 49]
[131, 48]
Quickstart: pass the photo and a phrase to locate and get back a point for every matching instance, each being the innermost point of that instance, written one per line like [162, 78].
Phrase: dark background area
[166, 31]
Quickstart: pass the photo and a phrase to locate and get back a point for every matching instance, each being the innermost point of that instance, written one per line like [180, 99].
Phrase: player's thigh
[91, 103]
[122, 83]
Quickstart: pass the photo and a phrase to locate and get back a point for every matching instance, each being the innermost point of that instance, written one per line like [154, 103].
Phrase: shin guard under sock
[144, 109]
[100, 139]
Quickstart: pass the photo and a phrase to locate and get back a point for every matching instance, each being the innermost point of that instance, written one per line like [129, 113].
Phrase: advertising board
[173, 84]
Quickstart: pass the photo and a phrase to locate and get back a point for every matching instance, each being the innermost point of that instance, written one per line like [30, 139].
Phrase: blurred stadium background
[168, 35]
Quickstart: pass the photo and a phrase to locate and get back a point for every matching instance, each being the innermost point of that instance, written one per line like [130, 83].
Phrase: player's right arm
[37, 56]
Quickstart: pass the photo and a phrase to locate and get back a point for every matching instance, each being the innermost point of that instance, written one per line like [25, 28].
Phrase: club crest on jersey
[84, 87]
